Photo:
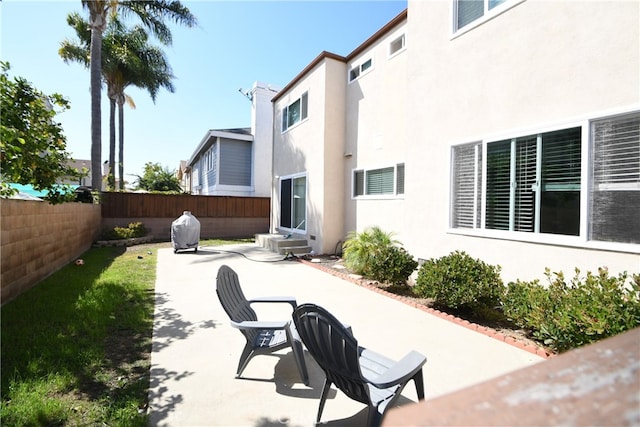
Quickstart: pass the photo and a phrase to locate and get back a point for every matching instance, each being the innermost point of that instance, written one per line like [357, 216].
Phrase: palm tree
[152, 14]
[147, 68]
[127, 59]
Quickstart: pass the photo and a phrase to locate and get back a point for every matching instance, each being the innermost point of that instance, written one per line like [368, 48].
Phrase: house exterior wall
[376, 133]
[261, 128]
[314, 148]
[535, 67]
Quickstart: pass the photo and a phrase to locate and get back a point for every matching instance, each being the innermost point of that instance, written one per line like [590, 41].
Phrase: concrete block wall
[210, 227]
[37, 239]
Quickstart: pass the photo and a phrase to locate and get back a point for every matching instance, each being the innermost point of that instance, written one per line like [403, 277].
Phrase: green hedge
[566, 315]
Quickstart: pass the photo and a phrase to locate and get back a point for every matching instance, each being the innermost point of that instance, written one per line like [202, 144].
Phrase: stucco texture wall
[537, 66]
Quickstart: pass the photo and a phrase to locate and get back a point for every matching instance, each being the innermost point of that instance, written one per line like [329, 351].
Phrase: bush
[393, 265]
[134, 229]
[360, 248]
[460, 282]
[569, 315]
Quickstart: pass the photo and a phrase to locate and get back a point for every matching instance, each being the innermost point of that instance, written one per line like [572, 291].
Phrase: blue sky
[235, 44]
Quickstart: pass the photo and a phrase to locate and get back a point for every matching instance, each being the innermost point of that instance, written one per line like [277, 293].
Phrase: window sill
[548, 239]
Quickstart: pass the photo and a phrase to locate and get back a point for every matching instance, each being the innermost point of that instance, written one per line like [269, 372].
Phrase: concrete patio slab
[195, 350]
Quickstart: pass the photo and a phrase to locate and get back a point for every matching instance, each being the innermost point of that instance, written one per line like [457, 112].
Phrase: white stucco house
[509, 129]
[231, 162]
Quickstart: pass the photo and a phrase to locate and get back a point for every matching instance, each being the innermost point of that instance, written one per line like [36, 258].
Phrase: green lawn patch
[76, 348]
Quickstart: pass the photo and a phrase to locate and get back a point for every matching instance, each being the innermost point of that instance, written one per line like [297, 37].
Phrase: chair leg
[374, 417]
[323, 398]
[298, 354]
[419, 381]
[247, 354]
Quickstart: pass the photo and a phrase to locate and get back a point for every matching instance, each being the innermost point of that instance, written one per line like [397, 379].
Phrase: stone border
[539, 351]
[123, 242]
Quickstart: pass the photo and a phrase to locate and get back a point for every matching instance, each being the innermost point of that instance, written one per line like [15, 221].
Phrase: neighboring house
[505, 130]
[236, 162]
[82, 166]
[183, 176]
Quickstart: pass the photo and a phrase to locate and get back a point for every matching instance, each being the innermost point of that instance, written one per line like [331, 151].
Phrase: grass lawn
[76, 348]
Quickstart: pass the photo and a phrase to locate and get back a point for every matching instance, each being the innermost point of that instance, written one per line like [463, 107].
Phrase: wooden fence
[219, 216]
[119, 205]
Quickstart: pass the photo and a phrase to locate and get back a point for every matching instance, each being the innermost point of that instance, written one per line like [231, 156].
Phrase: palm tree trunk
[121, 141]
[111, 177]
[96, 125]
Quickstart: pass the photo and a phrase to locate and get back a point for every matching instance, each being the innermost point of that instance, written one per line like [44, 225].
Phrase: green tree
[157, 178]
[152, 14]
[127, 59]
[32, 143]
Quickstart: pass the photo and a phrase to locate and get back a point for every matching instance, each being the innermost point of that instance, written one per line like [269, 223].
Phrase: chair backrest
[231, 297]
[333, 347]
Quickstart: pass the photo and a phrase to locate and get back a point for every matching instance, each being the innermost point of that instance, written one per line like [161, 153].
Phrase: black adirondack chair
[360, 373]
[262, 337]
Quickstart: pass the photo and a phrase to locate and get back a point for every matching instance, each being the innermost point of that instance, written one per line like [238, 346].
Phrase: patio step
[282, 244]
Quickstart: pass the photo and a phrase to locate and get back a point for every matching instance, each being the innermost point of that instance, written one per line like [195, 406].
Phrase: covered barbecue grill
[185, 232]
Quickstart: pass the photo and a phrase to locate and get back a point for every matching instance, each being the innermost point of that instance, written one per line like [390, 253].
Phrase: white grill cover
[185, 231]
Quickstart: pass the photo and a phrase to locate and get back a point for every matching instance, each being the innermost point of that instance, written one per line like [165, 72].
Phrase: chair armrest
[275, 325]
[276, 299]
[401, 371]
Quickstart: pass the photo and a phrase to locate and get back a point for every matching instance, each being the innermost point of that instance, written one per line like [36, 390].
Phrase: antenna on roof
[246, 93]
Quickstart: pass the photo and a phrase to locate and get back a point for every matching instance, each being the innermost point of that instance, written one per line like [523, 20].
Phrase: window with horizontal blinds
[525, 182]
[533, 183]
[498, 185]
[560, 182]
[467, 186]
[614, 197]
[468, 11]
[380, 181]
[400, 179]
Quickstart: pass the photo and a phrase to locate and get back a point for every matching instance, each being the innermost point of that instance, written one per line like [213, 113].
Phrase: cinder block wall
[37, 239]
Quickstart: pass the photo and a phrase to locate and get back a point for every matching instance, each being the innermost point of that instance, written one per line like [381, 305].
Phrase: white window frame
[304, 113]
[488, 14]
[583, 239]
[403, 41]
[396, 194]
[360, 70]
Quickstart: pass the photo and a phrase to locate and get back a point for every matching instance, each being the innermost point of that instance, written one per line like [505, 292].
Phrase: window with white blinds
[467, 186]
[535, 184]
[468, 11]
[614, 198]
[377, 182]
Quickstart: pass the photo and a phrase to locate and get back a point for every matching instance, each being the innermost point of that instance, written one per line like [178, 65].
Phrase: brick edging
[490, 332]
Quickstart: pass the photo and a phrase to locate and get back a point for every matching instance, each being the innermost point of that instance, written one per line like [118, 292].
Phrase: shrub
[568, 315]
[134, 229]
[392, 264]
[360, 248]
[459, 281]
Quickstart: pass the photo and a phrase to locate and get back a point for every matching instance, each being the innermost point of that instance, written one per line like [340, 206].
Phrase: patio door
[293, 203]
